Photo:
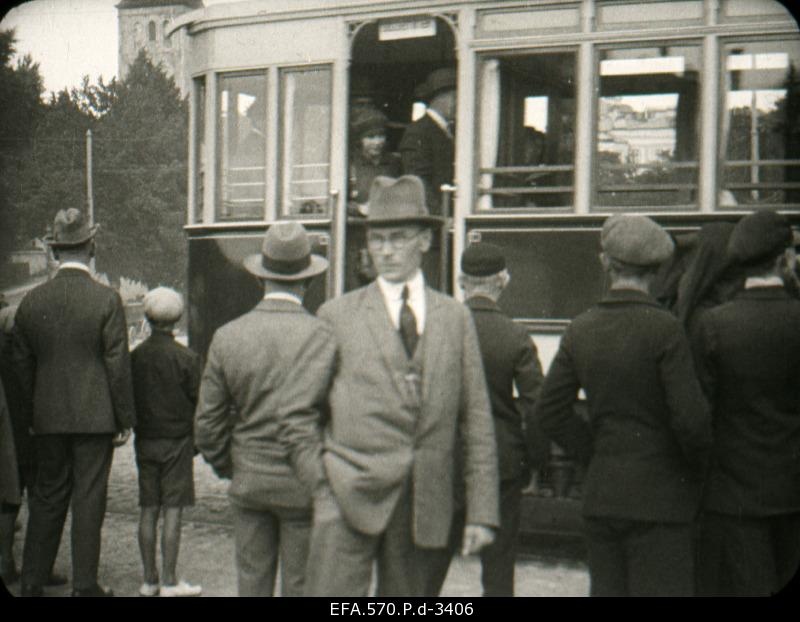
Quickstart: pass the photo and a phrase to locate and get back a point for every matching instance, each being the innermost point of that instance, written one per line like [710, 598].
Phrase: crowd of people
[368, 444]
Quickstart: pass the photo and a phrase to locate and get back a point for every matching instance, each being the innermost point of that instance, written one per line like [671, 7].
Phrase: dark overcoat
[428, 152]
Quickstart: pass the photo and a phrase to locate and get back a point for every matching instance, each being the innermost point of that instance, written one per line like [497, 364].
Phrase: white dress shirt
[393, 299]
[757, 281]
[76, 265]
[283, 296]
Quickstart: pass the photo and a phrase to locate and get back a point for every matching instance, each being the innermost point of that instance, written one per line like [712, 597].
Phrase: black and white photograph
[399, 304]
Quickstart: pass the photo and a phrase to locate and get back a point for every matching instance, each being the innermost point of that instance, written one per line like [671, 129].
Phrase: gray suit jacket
[71, 345]
[385, 427]
[277, 354]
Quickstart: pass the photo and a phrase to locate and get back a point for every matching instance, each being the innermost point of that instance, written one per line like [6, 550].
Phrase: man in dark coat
[427, 146]
[648, 429]
[72, 351]
[749, 364]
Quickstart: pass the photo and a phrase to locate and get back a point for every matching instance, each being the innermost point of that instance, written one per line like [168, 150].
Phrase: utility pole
[89, 189]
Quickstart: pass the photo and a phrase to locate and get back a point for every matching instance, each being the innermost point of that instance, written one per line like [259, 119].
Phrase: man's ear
[426, 238]
[605, 261]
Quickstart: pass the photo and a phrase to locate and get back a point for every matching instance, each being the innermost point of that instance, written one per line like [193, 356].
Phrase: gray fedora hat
[286, 255]
[70, 229]
[396, 202]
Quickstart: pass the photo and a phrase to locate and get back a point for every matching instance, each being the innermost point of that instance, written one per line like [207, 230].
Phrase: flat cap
[482, 259]
[163, 304]
[636, 240]
[759, 236]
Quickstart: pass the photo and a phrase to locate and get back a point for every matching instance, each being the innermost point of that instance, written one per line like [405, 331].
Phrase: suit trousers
[639, 558]
[497, 559]
[69, 467]
[747, 555]
[341, 559]
[262, 536]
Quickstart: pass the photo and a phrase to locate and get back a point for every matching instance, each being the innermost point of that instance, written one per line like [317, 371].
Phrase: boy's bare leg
[148, 522]
[170, 544]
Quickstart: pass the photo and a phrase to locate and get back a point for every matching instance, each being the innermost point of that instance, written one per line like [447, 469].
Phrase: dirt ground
[207, 552]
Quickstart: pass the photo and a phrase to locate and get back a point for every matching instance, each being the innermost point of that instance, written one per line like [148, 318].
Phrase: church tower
[143, 25]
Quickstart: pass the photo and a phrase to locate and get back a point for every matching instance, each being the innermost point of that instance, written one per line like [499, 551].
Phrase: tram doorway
[389, 65]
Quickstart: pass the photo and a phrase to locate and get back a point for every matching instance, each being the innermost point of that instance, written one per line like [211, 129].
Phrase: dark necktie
[408, 325]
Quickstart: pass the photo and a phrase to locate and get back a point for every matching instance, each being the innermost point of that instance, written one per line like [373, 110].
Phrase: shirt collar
[288, 297]
[76, 265]
[394, 291]
[757, 281]
[438, 119]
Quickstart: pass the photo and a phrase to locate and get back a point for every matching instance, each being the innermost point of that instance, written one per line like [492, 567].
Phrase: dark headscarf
[709, 279]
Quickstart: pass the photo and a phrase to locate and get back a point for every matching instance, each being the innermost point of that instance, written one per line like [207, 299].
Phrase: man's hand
[121, 437]
[475, 538]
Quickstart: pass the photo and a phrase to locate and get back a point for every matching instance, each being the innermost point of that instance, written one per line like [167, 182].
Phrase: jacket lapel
[433, 345]
[383, 333]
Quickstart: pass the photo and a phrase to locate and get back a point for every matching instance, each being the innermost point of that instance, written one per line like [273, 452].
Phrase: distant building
[143, 25]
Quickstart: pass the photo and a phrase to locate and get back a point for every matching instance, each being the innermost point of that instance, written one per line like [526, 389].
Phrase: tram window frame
[727, 200]
[219, 212]
[198, 136]
[694, 164]
[550, 148]
[284, 208]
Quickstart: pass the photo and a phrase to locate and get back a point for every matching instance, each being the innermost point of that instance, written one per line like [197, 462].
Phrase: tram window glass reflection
[242, 118]
[305, 140]
[527, 131]
[760, 136]
[648, 117]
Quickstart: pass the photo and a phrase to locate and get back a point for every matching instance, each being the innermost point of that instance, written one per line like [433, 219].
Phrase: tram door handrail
[444, 260]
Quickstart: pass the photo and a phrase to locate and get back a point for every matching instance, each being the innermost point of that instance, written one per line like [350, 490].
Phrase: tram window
[151, 30]
[241, 123]
[164, 28]
[648, 126]
[305, 140]
[199, 147]
[527, 122]
[760, 137]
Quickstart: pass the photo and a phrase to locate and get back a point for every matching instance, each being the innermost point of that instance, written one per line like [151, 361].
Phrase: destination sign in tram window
[648, 127]
[527, 131]
[760, 137]
[305, 158]
[241, 147]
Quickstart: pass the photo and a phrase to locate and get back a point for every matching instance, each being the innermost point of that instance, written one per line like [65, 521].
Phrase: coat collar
[69, 271]
[273, 305]
[763, 293]
[481, 303]
[628, 296]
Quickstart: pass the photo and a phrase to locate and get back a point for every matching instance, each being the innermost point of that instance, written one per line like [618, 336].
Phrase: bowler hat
[70, 229]
[636, 240]
[286, 255]
[439, 80]
[397, 202]
[760, 236]
[366, 120]
[163, 304]
[482, 259]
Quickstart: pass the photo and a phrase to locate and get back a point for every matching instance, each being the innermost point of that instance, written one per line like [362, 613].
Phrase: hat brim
[51, 241]
[425, 221]
[253, 264]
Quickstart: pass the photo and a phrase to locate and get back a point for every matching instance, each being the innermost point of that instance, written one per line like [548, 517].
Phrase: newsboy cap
[759, 236]
[163, 304]
[636, 240]
[482, 259]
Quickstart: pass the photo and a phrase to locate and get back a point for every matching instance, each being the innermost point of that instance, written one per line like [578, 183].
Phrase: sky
[68, 38]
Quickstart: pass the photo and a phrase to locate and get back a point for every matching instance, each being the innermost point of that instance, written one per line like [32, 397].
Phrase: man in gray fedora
[72, 350]
[408, 381]
[646, 441]
[273, 361]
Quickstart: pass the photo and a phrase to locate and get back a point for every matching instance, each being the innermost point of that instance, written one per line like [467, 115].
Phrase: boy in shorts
[166, 376]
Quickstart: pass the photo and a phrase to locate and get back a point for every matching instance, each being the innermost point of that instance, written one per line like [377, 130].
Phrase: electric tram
[684, 110]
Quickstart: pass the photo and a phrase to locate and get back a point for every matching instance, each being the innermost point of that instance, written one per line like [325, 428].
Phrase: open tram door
[390, 60]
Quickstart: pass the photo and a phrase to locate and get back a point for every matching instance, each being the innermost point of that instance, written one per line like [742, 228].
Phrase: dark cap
[482, 259]
[759, 237]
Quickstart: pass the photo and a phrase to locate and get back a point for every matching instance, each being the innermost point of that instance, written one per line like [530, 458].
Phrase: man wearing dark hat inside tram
[408, 381]
[427, 147]
[648, 432]
[510, 361]
[72, 353]
[749, 365]
[275, 358]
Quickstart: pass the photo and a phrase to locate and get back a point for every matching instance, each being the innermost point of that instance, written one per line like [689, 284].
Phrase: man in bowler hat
[427, 146]
[749, 365]
[271, 362]
[648, 430]
[510, 361]
[72, 351]
[408, 381]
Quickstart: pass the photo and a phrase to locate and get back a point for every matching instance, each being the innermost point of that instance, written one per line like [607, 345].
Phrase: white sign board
[391, 30]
